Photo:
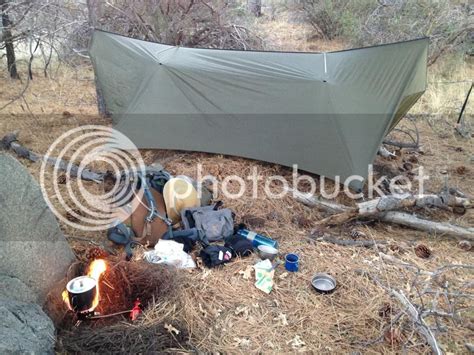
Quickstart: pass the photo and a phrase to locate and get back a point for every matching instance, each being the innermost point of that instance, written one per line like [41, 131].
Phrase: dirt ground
[220, 309]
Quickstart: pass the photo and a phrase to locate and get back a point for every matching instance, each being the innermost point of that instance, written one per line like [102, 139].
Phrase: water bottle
[257, 239]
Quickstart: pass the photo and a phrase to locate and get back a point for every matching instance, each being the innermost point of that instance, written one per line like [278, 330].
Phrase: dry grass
[448, 83]
[221, 311]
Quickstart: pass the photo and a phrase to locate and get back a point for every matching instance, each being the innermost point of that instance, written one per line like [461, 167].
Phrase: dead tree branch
[412, 133]
[384, 152]
[423, 329]
[351, 243]
[382, 209]
[395, 202]
[420, 325]
[438, 228]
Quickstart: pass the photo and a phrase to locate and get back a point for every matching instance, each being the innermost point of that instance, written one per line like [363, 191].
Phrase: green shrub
[448, 23]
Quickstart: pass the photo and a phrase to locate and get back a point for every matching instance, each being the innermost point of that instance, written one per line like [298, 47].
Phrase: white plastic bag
[171, 253]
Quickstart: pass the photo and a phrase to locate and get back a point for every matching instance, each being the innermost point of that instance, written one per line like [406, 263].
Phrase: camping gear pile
[177, 221]
[169, 214]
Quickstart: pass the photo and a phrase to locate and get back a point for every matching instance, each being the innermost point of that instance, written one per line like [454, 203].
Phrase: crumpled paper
[264, 273]
[170, 252]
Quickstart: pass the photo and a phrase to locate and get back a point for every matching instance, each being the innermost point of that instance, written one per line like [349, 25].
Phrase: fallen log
[380, 211]
[396, 202]
[437, 228]
[311, 200]
[10, 141]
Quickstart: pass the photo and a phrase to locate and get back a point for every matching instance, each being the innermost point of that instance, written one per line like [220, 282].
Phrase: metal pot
[324, 283]
[82, 291]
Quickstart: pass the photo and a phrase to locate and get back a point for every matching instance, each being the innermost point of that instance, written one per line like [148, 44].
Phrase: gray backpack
[211, 222]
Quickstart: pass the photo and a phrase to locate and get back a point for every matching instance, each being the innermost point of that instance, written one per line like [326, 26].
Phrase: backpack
[148, 222]
[212, 223]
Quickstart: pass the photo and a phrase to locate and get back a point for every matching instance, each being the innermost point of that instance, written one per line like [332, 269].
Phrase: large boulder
[32, 247]
[25, 329]
[13, 288]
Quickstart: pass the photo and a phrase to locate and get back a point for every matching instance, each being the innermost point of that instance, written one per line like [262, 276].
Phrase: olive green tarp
[326, 112]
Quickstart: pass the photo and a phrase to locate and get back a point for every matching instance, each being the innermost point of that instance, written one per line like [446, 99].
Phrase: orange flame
[65, 297]
[96, 268]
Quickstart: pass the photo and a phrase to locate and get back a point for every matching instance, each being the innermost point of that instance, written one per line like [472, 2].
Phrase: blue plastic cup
[291, 262]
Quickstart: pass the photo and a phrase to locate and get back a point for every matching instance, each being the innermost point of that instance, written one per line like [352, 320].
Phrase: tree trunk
[255, 7]
[94, 12]
[7, 38]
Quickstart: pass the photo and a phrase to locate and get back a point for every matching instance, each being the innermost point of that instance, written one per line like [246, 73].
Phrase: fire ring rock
[32, 247]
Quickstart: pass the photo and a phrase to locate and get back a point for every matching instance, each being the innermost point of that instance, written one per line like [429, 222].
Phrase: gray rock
[13, 288]
[25, 329]
[32, 247]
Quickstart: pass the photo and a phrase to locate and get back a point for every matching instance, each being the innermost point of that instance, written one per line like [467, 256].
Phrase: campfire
[105, 290]
[82, 294]
[126, 292]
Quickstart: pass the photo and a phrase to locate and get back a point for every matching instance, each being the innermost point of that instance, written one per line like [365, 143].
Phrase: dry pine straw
[120, 285]
[219, 310]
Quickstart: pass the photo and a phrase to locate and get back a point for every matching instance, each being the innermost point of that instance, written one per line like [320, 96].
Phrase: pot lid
[81, 284]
